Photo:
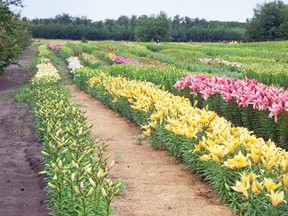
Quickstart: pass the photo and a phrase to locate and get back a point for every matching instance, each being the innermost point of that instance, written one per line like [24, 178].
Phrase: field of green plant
[221, 108]
[266, 61]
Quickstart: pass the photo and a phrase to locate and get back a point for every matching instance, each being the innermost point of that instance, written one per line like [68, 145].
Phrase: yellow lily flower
[215, 158]
[218, 151]
[249, 179]
[147, 132]
[285, 180]
[257, 188]
[190, 132]
[205, 157]
[153, 124]
[241, 187]
[238, 161]
[168, 127]
[276, 197]
[284, 161]
[270, 185]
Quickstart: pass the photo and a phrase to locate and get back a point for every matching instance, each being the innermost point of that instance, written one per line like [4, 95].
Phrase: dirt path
[21, 188]
[157, 184]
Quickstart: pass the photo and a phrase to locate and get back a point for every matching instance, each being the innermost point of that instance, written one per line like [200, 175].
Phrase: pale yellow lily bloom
[276, 197]
[241, 187]
[285, 180]
[249, 179]
[270, 185]
[257, 188]
[238, 161]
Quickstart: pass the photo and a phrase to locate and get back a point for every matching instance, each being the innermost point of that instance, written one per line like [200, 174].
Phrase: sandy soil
[157, 184]
[21, 188]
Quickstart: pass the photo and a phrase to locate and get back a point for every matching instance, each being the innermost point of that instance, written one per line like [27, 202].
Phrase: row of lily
[245, 92]
[78, 180]
[122, 60]
[269, 73]
[229, 158]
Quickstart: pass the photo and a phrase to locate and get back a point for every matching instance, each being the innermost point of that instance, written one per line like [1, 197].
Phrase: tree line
[142, 28]
[270, 22]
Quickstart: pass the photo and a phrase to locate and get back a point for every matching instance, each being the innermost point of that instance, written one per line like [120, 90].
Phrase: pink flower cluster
[55, 47]
[124, 60]
[245, 92]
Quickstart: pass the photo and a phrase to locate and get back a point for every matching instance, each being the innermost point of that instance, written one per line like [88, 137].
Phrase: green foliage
[269, 22]
[160, 76]
[143, 28]
[186, 29]
[24, 94]
[153, 28]
[65, 52]
[154, 47]
[14, 36]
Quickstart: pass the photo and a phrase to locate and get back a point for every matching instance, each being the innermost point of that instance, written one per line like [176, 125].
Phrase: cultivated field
[219, 110]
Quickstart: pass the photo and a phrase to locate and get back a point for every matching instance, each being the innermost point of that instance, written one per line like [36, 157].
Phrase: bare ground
[21, 188]
[157, 184]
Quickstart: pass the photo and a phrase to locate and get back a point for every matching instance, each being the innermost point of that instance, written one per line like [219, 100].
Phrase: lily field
[222, 108]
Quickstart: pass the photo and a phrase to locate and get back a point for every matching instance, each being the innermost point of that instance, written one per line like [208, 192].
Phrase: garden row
[247, 172]
[78, 180]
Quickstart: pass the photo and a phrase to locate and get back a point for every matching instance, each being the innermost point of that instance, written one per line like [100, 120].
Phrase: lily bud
[60, 164]
[45, 153]
[111, 164]
[81, 185]
[42, 172]
[51, 185]
[92, 182]
[103, 192]
[90, 192]
[72, 177]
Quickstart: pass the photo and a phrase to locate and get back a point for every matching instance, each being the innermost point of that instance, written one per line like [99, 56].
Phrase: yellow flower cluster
[233, 147]
[46, 73]
[180, 117]
[43, 51]
[110, 56]
[249, 184]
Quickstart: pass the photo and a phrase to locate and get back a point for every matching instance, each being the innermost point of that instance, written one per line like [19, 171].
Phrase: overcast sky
[222, 10]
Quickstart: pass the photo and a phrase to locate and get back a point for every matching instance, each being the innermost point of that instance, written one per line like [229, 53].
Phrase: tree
[283, 27]
[64, 19]
[13, 34]
[269, 22]
[153, 28]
